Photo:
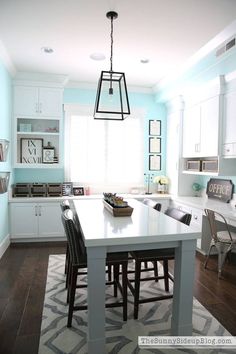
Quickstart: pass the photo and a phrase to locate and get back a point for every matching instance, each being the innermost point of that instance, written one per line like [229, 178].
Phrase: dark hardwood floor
[23, 271]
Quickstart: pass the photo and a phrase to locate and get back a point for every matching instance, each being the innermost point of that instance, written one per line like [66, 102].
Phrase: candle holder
[148, 180]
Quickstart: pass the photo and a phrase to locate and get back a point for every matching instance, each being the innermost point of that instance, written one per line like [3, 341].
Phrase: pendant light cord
[111, 58]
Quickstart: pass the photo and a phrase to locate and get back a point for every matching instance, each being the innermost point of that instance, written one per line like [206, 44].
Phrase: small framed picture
[67, 188]
[155, 145]
[31, 150]
[48, 155]
[155, 127]
[78, 190]
[154, 162]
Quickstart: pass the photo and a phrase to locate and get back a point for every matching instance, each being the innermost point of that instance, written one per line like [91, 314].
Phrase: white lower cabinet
[35, 220]
[196, 220]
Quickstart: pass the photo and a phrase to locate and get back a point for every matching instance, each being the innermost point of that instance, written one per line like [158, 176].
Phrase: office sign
[221, 189]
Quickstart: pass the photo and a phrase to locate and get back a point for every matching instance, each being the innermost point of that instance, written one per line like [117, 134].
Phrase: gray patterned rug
[154, 319]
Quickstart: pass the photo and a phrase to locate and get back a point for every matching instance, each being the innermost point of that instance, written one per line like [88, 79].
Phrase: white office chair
[223, 241]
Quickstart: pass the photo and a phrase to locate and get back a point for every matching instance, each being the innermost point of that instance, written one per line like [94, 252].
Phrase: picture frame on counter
[67, 189]
[78, 191]
[31, 150]
[155, 127]
[48, 155]
[155, 145]
[154, 162]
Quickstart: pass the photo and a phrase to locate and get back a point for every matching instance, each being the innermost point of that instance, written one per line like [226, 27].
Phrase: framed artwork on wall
[155, 127]
[154, 162]
[31, 150]
[155, 145]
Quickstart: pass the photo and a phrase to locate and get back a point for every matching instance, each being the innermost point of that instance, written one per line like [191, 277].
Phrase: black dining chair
[78, 260]
[160, 255]
[65, 205]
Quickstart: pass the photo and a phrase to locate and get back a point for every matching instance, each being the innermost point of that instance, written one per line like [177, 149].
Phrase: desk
[145, 229]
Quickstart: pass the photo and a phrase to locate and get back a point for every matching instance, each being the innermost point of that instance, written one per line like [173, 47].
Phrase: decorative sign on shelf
[48, 153]
[31, 150]
[221, 189]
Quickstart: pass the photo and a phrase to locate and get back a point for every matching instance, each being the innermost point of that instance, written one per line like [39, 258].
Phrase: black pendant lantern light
[112, 101]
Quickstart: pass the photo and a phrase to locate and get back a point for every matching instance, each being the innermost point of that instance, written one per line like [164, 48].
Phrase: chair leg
[137, 288]
[109, 272]
[116, 277]
[146, 264]
[124, 289]
[72, 296]
[155, 270]
[66, 261]
[68, 281]
[208, 255]
[166, 274]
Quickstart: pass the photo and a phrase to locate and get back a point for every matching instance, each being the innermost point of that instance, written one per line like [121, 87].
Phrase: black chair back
[76, 245]
[65, 205]
[179, 215]
[152, 204]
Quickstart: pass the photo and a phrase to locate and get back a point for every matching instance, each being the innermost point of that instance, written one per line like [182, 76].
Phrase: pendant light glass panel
[112, 98]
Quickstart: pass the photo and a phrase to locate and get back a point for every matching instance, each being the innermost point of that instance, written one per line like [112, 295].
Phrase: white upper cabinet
[30, 101]
[201, 122]
[192, 131]
[229, 136]
[209, 142]
[37, 126]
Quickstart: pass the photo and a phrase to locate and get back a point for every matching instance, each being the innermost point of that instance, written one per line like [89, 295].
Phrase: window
[106, 155]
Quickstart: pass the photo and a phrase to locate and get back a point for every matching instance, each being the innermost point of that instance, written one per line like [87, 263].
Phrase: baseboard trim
[4, 245]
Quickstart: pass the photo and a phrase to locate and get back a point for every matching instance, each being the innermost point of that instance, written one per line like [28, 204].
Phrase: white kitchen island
[144, 229]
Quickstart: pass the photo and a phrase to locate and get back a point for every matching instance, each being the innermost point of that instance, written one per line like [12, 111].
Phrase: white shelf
[200, 173]
[37, 133]
[38, 165]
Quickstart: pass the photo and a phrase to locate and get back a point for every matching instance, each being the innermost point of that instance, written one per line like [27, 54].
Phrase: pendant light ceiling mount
[112, 101]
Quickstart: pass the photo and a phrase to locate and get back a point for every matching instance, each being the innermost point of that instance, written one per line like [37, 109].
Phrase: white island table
[144, 229]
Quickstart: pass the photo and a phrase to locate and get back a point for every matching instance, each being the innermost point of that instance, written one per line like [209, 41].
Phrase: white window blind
[105, 155]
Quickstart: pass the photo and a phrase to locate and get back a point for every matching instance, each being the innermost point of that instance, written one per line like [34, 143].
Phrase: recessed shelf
[36, 133]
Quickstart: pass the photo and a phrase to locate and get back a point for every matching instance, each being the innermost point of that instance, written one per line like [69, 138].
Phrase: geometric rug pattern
[121, 337]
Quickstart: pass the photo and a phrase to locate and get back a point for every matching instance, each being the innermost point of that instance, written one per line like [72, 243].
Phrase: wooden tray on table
[118, 211]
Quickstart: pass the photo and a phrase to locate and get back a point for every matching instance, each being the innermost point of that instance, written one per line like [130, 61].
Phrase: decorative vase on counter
[162, 184]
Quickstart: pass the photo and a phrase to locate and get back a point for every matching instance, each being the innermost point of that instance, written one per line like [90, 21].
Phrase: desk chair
[78, 260]
[223, 241]
[155, 255]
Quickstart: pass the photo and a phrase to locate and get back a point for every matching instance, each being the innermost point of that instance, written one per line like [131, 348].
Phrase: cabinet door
[24, 220]
[50, 102]
[191, 132]
[209, 127]
[230, 117]
[26, 101]
[50, 224]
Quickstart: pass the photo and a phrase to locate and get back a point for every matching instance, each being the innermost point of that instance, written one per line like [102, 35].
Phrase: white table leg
[96, 300]
[181, 324]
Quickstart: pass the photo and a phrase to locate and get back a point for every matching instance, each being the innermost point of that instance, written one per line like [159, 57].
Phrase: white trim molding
[4, 245]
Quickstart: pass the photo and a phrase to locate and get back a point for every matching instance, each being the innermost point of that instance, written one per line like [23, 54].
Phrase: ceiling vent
[225, 47]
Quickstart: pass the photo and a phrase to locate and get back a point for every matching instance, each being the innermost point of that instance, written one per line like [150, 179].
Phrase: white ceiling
[167, 32]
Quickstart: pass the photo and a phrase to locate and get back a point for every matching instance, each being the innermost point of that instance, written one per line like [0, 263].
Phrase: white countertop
[81, 197]
[145, 225]
[227, 209]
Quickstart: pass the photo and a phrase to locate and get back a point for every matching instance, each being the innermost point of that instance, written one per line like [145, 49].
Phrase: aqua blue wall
[5, 133]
